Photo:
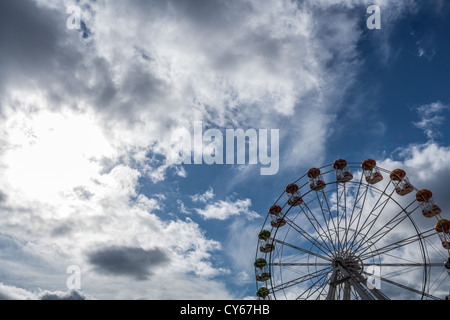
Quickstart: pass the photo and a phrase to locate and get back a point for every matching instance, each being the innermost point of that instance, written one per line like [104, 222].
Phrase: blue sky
[86, 117]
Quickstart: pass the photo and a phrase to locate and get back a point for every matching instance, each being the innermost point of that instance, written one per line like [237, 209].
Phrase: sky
[90, 110]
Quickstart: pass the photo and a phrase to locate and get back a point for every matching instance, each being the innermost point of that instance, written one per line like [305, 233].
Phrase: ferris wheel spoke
[308, 237]
[361, 201]
[343, 241]
[369, 242]
[340, 216]
[295, 281]
[416, 237]
[302, 249]
[324, 232]
[358, 203]
[411, 264]
[404, 287]
[397, 244]
[437, 284]
[375, 213]
[344, 216]
[385, 229]
[299, 280]
[436, 249]
[315, 284]
[324, 246]
[328, 209]
[300, 264]
[325, 207]
[321, 292]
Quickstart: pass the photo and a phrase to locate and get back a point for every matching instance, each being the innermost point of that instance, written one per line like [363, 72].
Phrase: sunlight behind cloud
[51, 153]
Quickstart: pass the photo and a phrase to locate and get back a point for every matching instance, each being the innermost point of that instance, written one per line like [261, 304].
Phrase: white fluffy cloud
[208, 195]
[223, 210]
[431, 118]
[14, 293]
[426, 166]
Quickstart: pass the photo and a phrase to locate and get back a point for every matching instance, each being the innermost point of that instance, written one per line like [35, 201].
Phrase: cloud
[58, 295]
[223, 210]
[234, 64]
[208, 195]
[127, 261]
[182, 207]
[430, 118]
[424, 52]
[240, 247]
[23, 53]
[426, 164]
[14, 293]
[252, 55]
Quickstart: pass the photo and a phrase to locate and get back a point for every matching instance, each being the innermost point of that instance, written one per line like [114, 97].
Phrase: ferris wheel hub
[349, 262]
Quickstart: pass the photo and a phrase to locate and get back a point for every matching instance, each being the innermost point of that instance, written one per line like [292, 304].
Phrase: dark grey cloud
[211, 14]
[127, 261]
[27, 34]
[63, 229]
[15, 293]
[4, 296]
[3, 196]
[37, 50]
[83, 193]
[28, 41]
[59, 295]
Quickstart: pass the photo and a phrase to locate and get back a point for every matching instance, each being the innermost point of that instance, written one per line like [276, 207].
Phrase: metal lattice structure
[353, 231]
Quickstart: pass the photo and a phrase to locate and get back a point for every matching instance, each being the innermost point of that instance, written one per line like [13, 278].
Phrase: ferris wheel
[353, 231]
